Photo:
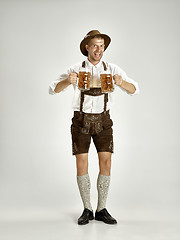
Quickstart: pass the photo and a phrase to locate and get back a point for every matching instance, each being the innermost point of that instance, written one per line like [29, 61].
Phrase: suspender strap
[82, 93]
[81, 101]
[83, 64]
[105, 101]
[104, 65]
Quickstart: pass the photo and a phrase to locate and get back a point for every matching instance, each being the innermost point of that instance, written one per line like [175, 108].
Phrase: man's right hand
[73, 77]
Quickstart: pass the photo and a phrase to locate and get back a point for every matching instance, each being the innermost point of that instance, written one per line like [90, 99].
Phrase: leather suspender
[105, 101]
[83, 64]
[81, 101]
[104, 65]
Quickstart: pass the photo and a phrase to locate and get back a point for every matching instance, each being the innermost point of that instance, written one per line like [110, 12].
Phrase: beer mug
[106, 82]
[84, 79]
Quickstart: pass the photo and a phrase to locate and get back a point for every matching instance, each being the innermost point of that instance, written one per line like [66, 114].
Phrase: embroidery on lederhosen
[74, 147]
[111, 147]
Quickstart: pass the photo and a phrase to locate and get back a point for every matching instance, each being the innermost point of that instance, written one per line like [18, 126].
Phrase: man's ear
[87, 47]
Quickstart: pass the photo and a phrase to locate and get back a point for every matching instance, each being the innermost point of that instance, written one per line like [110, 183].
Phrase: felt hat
[89, 36]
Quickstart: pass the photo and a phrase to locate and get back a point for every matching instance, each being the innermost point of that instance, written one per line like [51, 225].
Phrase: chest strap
[93, 89]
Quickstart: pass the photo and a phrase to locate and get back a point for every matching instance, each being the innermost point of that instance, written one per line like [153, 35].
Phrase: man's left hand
[118, 79]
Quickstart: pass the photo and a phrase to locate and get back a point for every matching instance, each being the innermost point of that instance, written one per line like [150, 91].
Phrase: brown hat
[89, 36]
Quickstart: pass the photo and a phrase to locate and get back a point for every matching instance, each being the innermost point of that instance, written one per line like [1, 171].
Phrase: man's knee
[105, 162]
[82, 164]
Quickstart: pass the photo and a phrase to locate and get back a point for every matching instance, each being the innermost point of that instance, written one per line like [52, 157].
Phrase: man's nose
[97, 48]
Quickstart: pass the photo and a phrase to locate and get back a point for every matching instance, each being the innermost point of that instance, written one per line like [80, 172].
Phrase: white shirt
[93, 104]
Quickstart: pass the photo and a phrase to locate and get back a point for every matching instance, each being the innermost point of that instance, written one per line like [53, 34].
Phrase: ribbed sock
[84, 185]
[103, 183]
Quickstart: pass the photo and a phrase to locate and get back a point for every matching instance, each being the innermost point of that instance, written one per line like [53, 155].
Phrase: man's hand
[118, 79]
[72, 77]
[129, 87]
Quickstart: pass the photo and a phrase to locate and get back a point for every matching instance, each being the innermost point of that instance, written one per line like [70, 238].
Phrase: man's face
[95, 49]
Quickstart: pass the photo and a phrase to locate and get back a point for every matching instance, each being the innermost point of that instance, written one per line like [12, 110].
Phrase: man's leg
[82, 164]
[103, 183]
[84, 185]
[104, 163]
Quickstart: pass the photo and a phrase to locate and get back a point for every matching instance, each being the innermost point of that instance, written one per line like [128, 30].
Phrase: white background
[40, 40]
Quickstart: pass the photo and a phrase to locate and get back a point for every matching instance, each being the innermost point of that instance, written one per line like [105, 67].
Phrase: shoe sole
[102, 220]
[84, 223]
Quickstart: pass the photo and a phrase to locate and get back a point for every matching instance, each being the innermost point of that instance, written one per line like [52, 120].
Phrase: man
[92, 120]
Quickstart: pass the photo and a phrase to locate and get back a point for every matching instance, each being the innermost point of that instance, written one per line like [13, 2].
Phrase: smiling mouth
[97, 55]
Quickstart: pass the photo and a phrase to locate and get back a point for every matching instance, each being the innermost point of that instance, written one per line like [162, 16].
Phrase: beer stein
[106, 82]
[84, 79]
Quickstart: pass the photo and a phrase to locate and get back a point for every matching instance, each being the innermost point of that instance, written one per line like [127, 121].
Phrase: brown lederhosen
[95, 125]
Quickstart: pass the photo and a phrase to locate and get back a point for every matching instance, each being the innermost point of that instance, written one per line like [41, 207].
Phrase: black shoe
[85, 217]
[104, 216]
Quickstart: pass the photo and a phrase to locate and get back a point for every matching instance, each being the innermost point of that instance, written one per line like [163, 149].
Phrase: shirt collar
[89, 64]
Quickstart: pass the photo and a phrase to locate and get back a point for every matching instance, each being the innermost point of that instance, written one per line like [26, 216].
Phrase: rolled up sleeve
[118, 70]
[53, 84]
[135, 85]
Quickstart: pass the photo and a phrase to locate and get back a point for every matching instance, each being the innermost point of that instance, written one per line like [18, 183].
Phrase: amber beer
[84, 80]
[106, 83]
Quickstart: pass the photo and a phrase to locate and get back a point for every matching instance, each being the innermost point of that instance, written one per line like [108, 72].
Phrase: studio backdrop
[39, 41]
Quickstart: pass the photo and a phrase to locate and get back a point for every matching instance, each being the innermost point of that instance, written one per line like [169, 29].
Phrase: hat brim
[85, 41]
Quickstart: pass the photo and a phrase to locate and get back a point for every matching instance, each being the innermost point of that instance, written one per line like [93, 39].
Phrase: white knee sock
[84, 185]
[103, 183]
